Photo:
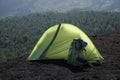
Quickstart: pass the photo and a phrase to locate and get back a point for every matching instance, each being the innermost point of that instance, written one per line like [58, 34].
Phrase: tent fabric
[56, 41]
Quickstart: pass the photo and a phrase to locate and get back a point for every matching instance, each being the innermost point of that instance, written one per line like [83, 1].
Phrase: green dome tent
[58, 43]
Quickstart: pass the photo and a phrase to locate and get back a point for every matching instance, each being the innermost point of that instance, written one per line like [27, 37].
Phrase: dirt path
[108, 45]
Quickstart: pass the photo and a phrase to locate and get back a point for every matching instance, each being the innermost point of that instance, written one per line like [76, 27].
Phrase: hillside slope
[108, 45]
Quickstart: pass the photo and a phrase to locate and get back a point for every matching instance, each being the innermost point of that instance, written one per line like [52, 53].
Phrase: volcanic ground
[108, 45]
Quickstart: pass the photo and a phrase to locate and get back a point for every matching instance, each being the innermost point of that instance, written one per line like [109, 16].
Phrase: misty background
[23, 7]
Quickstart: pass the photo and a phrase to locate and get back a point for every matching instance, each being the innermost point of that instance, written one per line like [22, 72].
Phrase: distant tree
[19, 34]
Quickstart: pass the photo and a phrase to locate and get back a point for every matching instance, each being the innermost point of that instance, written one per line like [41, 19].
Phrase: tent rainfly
[67, 42]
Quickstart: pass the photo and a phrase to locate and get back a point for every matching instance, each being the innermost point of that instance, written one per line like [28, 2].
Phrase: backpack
[76, 51]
